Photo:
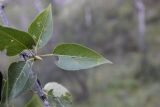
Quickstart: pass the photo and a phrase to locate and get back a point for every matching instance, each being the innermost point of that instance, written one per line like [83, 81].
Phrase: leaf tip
[49, 7]
[106, 61]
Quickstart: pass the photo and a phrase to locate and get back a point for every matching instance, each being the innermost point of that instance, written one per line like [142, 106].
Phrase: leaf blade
[76, 57]
[14, 41]
[35, 102]
[42, 27]
[19, 78]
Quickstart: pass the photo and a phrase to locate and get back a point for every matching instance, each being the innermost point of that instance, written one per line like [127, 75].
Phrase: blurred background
[127, 32]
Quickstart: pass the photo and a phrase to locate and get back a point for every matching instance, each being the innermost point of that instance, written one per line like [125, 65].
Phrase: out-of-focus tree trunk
[145, 72]
[88, 16]
[140, 10]
[140, 7]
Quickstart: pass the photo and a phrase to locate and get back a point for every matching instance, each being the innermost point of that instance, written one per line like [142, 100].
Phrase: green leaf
[35, 102]
[19, 78]
[30, 83]
[75, 57]
[42, 27]
[14, 41]
[58, 95]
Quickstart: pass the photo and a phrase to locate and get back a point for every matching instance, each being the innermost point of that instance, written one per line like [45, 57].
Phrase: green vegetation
[21, 78]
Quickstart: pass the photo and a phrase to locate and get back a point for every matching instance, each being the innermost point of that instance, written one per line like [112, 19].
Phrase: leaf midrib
[19, 77]
[43, 27]
[79, 56]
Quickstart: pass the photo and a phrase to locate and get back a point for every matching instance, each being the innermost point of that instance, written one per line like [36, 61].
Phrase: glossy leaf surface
[14, 41]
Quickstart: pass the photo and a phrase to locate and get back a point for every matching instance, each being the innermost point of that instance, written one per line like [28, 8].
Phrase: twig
[37, 85]
[41, 93]
[5, 22]
[39, 89]
[3, 14]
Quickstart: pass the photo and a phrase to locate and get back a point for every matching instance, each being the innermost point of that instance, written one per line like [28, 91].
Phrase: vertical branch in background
[37, 86]
[5, 21]
[88, 17]
[3, 14]
[144, 73]
[141, 24]
[38, 5]
[4, 18]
